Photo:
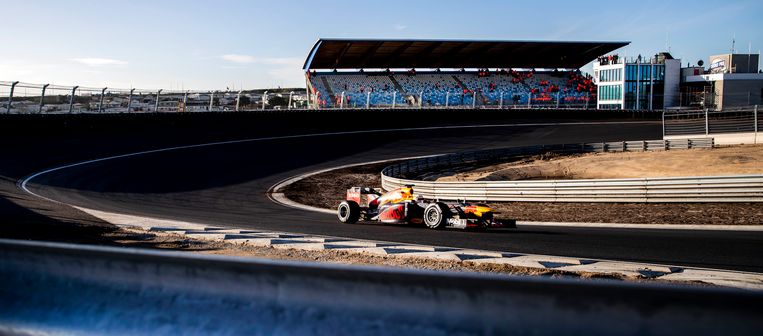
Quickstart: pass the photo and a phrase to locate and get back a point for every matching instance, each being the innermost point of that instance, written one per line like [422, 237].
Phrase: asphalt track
[226, 184]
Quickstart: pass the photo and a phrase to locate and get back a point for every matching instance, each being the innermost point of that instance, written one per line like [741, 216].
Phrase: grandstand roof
[405, 54]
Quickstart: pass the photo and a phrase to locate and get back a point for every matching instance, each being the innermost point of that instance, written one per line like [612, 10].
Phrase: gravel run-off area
[327, 189]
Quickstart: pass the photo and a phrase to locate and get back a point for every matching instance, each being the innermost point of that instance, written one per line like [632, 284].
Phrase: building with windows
[372, 73]
[637, 84]
[732, 80]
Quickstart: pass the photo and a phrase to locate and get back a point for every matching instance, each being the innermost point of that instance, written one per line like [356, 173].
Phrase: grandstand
[356, 73]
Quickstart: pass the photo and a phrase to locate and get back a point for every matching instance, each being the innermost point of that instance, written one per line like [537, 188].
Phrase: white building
[637, 84]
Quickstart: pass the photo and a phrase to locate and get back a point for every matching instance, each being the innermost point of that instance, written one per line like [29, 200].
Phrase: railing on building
[455, 100]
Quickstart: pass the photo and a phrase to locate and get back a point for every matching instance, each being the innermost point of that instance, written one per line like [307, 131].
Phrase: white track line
[699, 227]
[731, 278]
[24, 182]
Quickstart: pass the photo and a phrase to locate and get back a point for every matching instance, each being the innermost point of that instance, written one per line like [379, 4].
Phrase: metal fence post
[500, 101]
[368, 99]
[529, 99]
[264, 99]
[421, 99]
[588, 99]
[557, 99]
[211, 101]
[755, 121]
[129, 100]
[100, 106]
[341, 101]
[707, 123]
[394, 96]
[156, 104]
[10, 96]
[71, 99]
[185, 101]
[663, 124]
[42, 97]
[447, 98]
[238, 100]
[474, 99]
[291, 94]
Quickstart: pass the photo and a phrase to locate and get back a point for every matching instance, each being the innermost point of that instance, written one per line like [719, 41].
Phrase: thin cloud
[400, 27]
[96, 62]
[242, 59]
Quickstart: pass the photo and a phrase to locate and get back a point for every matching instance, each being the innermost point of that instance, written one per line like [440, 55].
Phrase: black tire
[436, 215]
[348, 212]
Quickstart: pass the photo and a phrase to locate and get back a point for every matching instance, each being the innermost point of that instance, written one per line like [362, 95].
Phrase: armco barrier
[74, 289]
[738, 188]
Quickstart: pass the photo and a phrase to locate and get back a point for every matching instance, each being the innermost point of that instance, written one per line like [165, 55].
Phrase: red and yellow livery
[401, 206]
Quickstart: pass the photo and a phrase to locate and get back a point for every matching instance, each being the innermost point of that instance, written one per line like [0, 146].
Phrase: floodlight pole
[638, 83]
[651, 88]
[100, 106]
[10, 96]
[42, 97]
[71, 99]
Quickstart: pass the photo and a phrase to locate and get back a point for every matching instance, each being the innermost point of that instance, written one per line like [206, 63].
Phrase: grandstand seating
[460, 88]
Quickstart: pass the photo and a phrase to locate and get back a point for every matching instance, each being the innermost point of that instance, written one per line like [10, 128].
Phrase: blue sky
[217, 44]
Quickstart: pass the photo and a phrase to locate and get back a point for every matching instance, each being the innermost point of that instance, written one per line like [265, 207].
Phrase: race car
[401, 206]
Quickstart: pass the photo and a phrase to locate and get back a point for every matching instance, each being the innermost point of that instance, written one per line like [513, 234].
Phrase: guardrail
[744, 188]
[695, 123]
[74, 289]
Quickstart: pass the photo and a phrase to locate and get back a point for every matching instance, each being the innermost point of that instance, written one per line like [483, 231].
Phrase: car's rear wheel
[435, 216]
[348, 212]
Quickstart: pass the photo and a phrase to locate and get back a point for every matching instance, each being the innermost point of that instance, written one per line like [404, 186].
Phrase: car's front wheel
[435, 216]
[348, 212]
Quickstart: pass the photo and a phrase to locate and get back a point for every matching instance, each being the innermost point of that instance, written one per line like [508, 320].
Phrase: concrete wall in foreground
[74, 289]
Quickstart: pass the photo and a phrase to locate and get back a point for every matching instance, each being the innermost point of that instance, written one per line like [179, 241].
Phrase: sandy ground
[179, 242]
[737, 160]
[328, 189]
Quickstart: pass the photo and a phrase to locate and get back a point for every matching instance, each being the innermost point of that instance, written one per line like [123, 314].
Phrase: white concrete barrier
[74, 289]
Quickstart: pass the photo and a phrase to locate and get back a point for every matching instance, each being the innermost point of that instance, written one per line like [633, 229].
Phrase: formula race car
[400, 206]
